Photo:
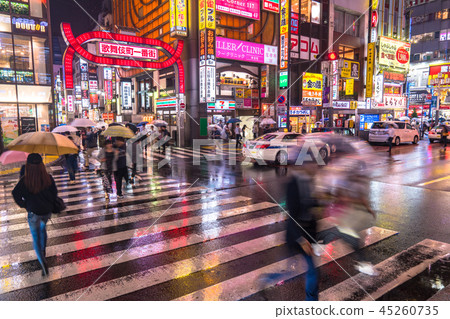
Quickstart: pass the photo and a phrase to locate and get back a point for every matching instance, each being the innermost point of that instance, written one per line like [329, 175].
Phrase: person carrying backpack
[36, 192]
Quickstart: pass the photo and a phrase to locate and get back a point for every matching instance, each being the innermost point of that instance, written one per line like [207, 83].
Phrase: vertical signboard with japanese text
[264, 81]
[178, 18]
[207, 26]
[370, 67]
[85, 102]
[284, 34]
[126, 96]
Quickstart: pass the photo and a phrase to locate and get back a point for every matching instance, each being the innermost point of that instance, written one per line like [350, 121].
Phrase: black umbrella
[115, 124]
[132, 127]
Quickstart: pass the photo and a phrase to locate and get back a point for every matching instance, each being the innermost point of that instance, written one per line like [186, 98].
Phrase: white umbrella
[214, 126]
[101, 124]
[82, 123]
[267, 121]
[159, 123]
[64, 128]
[404, 118]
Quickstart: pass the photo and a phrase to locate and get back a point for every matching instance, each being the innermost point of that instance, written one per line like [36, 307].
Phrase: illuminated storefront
[439, 80]
[25, 68]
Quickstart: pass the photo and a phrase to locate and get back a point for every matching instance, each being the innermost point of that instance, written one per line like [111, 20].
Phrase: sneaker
[366, 268]
[318, 249]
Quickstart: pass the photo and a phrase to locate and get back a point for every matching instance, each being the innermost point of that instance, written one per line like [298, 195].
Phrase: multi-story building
[25, 68]
[430, 46]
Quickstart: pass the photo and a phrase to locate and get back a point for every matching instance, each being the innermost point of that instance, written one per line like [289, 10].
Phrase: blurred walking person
[255, 130]
[237, 132]
[121, 169]
[72, 163]
[91, 146]
[108, 164]
[444, 136]
[391, 133]
[302, 225]
[36, 192]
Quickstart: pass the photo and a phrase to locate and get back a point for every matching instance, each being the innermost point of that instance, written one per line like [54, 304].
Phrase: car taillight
[262, 146]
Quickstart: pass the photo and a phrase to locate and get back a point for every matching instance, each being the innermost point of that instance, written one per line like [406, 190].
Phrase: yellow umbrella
[118, 131]
[43, 143]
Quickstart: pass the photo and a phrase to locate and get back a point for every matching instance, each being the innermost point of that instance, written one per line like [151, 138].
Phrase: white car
[404, 132]
[282, 148]
[435, 133]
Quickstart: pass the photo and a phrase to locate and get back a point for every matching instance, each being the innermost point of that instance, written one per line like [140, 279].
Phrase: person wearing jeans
[36, 192]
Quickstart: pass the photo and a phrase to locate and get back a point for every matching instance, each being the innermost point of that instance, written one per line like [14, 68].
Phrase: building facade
[430, 48]
[25, 68]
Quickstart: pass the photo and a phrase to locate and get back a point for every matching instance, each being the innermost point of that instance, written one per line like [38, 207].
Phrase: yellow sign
[312, 89]
[201, 14]
[350, 70]
[374, 4]
[353, 105]
[178, 18]
[370, 66]
[211, 14]
[349, 85]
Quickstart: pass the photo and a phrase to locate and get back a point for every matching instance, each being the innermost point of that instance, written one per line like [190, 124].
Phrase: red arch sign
[75, 47]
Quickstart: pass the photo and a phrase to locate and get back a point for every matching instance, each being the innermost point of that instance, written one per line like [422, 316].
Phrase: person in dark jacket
[302, 225]
[91, 146]
[36, 192]
[121, 169]
[72, 163]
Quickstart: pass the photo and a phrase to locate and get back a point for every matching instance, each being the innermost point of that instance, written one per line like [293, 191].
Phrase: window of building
[436, 35]
[305, 12]
[23, 59]
[6, 51]
[38, 8]
[445, 14]
[41, 55]
[416, 57]
[347, 23]
[443, 35]
[5, 23]
[4, 6]
[347, 52]
[315, 12]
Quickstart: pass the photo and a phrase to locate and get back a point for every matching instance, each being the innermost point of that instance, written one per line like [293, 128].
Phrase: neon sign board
[128, 51]
[35, 26]
[247, 9]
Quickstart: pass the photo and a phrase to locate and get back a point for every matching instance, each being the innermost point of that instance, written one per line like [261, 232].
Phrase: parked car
[404, 132]
[435, 133]
[336, 130]
[281, 147]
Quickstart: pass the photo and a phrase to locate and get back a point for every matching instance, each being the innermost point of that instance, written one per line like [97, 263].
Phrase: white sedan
[435, 133]
[282, 148]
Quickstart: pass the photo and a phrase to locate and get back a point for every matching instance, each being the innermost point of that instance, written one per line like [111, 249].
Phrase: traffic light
[332, 56]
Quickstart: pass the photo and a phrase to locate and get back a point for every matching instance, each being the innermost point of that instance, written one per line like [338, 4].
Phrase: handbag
[59, 205]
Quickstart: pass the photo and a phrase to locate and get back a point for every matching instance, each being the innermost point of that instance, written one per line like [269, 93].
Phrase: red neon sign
[75, 46]
[374, 19]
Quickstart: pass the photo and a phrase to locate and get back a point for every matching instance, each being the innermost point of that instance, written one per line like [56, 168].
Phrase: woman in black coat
[36, 192]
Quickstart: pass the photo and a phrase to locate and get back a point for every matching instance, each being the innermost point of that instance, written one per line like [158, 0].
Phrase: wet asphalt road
[409, 189]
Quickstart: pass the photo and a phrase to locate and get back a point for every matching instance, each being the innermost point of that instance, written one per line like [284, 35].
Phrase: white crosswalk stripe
[153, 240]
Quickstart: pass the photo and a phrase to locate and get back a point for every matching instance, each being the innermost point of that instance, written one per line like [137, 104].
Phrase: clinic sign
[394, 53]
[243, 8]
[312, 89]
[178, 18]
[246, 51]
[129, 51]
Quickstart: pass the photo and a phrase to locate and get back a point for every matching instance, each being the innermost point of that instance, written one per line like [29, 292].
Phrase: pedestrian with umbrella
[91, 146]
[121, 169]
[36, 192]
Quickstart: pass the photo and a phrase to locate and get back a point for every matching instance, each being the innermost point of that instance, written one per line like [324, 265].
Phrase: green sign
[283, 80]
[203, 126]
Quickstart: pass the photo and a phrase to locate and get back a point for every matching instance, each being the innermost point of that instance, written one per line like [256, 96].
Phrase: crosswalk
[175, 240]
[191, 155]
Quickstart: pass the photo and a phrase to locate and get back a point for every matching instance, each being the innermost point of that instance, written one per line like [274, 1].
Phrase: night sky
[69, 11]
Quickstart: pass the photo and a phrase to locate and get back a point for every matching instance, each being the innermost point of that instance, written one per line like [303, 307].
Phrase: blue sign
[433, 102]
[366, 121]
[281, 99]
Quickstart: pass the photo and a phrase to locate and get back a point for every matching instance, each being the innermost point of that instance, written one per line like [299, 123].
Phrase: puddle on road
[424, 285]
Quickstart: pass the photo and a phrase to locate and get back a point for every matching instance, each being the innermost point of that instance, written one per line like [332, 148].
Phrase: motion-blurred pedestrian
[72, 163]
[108, 164]
[391, 134]
[121, 169]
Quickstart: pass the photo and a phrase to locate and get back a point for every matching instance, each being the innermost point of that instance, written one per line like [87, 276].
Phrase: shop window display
[41, 54]
[5, 23]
